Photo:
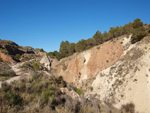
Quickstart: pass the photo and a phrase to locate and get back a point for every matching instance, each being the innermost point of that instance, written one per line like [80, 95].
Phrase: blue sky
[45, 23]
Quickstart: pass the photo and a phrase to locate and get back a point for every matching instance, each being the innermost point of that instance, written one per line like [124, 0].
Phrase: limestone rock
[46, 60]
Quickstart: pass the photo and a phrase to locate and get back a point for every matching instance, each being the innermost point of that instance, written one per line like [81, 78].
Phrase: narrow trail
[18, 71]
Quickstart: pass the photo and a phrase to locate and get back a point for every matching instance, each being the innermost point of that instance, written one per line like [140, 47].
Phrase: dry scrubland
[108, 73]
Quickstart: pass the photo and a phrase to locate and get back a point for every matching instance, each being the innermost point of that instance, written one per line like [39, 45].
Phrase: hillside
[88, 63]
[28, 86]
[32, 85]
[103, 74]
[12, 52]
[116, 72]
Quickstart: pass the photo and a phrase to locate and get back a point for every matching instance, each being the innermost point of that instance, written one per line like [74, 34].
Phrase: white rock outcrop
[126, 81]
[47, 61]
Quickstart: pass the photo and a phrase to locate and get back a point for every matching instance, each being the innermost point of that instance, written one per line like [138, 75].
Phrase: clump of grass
[79, 91]
[36, 66]
[46, 94]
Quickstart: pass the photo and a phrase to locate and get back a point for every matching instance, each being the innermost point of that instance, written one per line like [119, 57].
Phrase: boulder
[47, 61]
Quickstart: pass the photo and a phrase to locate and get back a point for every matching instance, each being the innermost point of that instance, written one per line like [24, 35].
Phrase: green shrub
[138, 31]
[10, 73]
[41, 50]
[46, 94]
[29, 98]
[14, 99]
[79, 91]
[17, 56]
[36, 66]
[52, 87]
[138, 35]
[4, 51]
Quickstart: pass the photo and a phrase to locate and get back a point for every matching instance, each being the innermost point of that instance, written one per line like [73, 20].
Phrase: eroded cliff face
[87, 64]
[127, 80]
[116, 72]
[6, 58]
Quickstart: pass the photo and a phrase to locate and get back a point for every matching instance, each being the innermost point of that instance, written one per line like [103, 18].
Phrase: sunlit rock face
[84, 65]
[115, 72]
[46, 60]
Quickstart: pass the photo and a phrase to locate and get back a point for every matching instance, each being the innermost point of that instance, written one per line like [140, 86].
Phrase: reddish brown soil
[102, 57]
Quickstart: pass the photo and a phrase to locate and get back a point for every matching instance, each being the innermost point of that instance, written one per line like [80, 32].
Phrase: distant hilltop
[12, 52]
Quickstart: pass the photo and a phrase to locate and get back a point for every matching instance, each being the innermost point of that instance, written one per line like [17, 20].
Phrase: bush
[36, 66]
[79, 91]
[138, 31]
[138, 34]
[17, 56]
[129, 107]
[14, 99]
[41, 50]
[6, 87]
[46, 94]
[9, 73]
[29, 98]
[6, 71]
[4, 51]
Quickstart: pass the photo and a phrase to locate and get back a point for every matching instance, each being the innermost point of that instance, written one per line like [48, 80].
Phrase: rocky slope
[9, 50]
[128, 80]
[116, 72]
[83, 65]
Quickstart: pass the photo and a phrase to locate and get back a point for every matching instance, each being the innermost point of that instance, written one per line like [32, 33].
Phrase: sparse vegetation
[6, 72]
[45, 96]
[25, 92]
[42, 93]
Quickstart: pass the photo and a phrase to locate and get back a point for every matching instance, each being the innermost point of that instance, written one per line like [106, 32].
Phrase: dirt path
[18, 71]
